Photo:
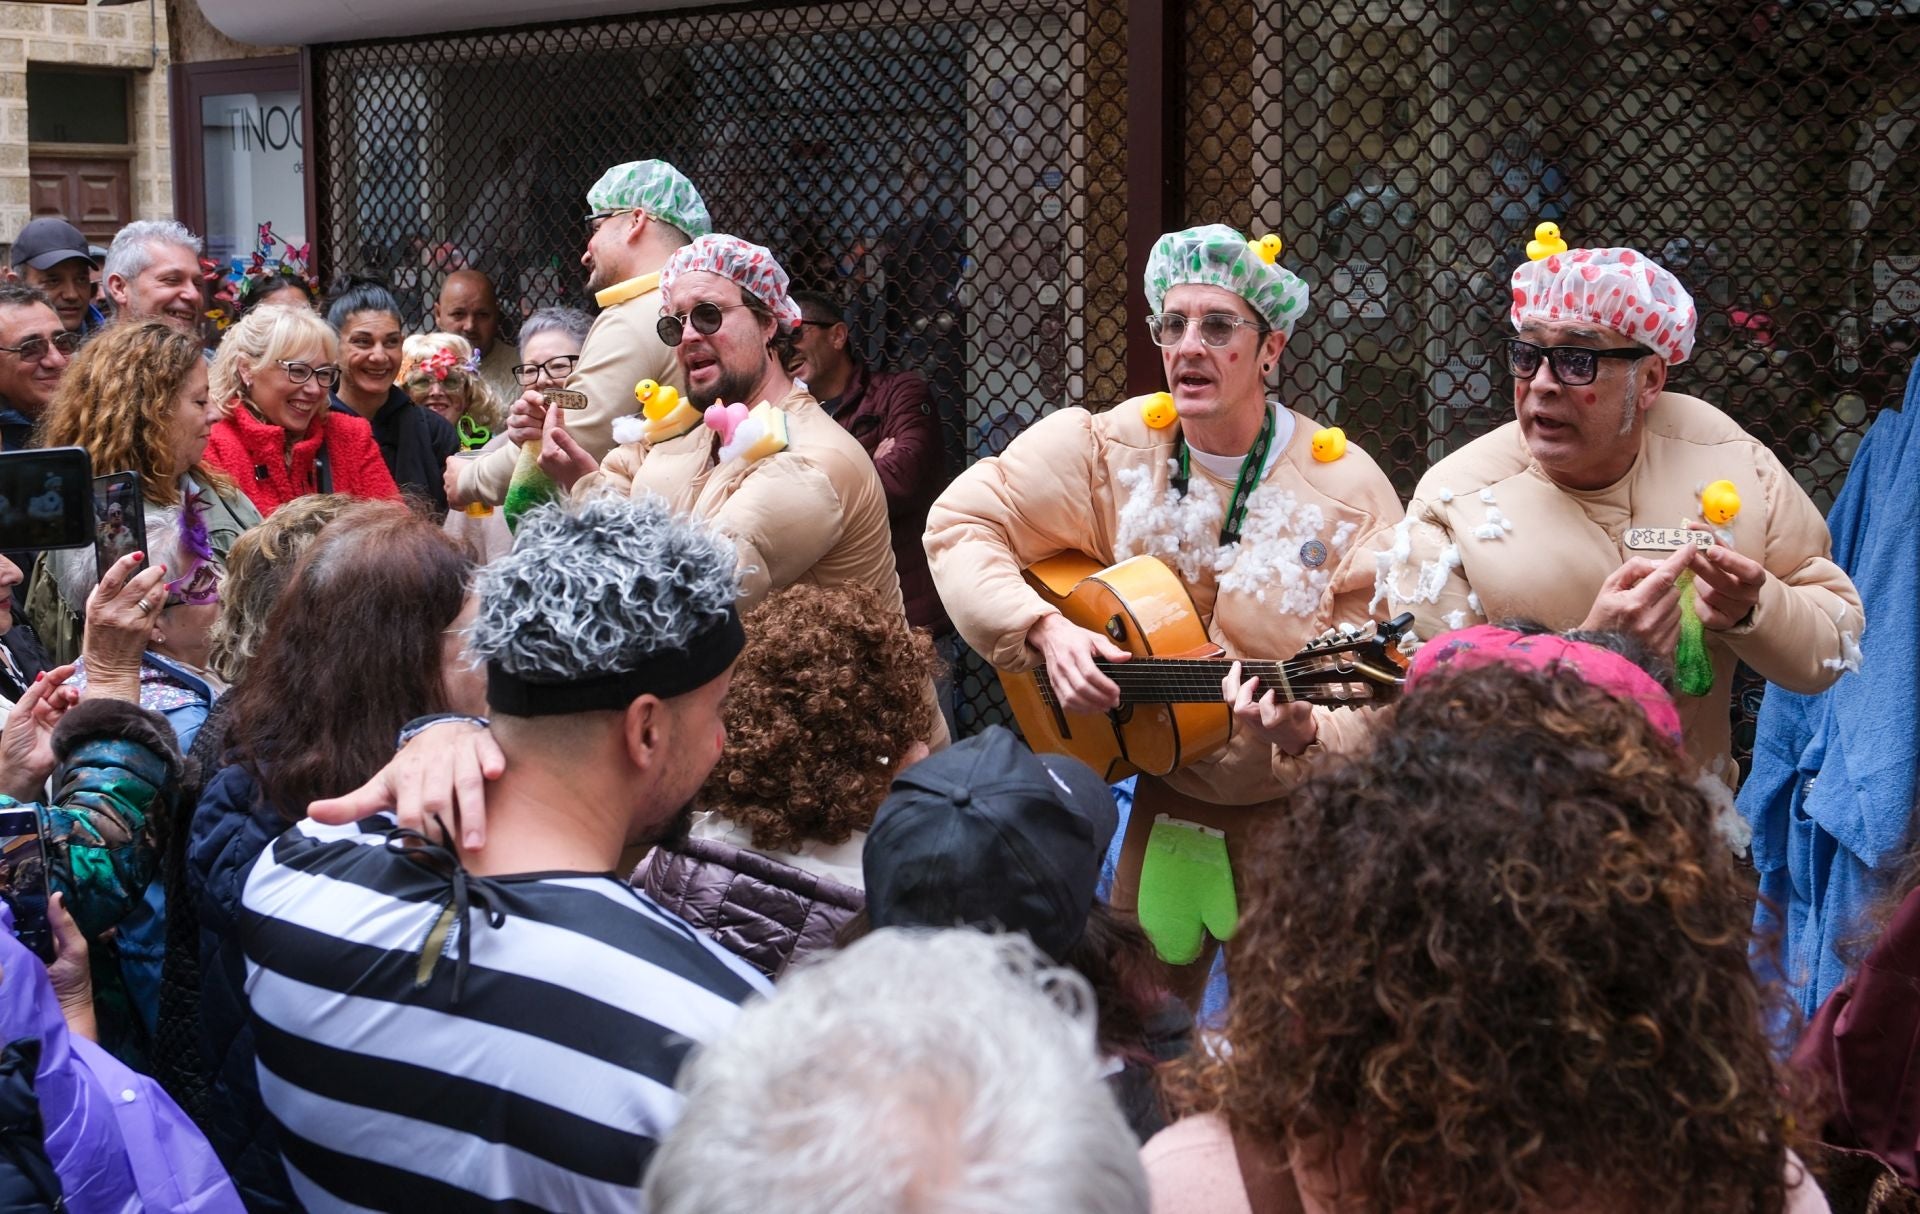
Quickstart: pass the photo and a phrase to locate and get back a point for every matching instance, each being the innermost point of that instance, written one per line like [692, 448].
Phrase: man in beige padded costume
[1572, 515]
[1270, 541]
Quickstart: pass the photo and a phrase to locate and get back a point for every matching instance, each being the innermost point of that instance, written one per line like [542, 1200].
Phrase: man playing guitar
[1265, 517]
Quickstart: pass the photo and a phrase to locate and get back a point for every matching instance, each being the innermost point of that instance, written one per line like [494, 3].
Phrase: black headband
[667, 674]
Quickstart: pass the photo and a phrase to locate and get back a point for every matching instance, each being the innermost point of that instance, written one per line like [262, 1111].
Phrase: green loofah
[1186, 889]
[1692, 667]
[529, 488]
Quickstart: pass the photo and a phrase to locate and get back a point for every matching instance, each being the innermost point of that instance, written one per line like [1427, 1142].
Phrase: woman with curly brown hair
[1497, 963]
[827, 704]
[136, 400]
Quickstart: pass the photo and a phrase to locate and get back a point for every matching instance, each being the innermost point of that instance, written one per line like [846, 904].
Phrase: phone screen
[23, 879]
[43, 499]
[119, 518]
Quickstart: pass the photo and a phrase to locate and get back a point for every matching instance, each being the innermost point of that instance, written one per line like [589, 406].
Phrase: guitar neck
[1192, 680]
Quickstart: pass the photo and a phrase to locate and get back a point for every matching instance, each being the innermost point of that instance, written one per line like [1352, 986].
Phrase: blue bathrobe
[1832, 786]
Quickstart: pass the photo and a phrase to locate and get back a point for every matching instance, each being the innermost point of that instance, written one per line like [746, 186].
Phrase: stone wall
[133, 38]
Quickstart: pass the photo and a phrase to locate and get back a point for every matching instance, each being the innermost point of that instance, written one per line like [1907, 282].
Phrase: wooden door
[93, 193]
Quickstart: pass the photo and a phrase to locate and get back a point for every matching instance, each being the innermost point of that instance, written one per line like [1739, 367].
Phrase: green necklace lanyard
[1250, 470]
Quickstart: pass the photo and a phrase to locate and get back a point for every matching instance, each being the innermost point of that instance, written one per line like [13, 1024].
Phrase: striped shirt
[545, 1085]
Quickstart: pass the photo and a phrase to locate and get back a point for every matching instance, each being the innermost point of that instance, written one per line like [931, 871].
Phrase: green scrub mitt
[1692, 667]
[1186, 889]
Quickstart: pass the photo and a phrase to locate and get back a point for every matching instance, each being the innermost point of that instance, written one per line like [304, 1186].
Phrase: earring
[1266, 368]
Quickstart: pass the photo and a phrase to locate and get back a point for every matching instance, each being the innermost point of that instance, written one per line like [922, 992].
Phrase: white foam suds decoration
[1456, 620]
[1486, 495]
[1266, 562]
[1433, 575]
[1446, 496]
[1181, 530]
[630, 429]
[1728, 822]
[1473, 604]
[1496, 526]
[1387, 563]
[1850, 656]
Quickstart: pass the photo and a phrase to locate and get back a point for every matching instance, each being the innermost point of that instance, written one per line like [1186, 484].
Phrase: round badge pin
[1313, 554]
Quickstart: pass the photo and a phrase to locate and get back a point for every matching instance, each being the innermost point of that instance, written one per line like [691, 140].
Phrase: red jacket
[252, 452]
[879, 405]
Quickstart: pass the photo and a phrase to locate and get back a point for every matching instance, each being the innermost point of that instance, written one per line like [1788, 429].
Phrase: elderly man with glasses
[34, 348]
[1610, 503]
[1263, 515]
[640, 214]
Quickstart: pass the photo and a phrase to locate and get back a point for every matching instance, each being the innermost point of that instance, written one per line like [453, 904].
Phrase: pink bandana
[1486, 645]
[1617, 289]
[746, 264]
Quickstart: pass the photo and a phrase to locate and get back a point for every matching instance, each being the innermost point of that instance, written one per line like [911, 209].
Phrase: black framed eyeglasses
[300, 373]
[597, 218]
[1216, 328]
[555, 369]
[1573, 366]
[706, 317]
[821, 324]
[35, 348]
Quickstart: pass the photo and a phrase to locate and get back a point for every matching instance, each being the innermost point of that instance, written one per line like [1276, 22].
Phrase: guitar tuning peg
[1349, 630]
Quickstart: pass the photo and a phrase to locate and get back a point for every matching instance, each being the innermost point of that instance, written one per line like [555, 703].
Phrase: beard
[1631, 413]
[732, 386]
[671, 831]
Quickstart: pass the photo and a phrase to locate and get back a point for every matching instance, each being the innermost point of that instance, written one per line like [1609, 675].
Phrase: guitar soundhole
[1117, 629]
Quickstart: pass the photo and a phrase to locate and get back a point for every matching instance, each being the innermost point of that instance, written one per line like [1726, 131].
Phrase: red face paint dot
[1233, 358]
[1591, 397]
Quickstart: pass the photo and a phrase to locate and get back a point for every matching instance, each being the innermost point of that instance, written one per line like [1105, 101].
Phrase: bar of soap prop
[748, 434]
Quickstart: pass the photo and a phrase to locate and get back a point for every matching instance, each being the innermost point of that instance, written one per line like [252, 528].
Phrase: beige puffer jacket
[1098, 484]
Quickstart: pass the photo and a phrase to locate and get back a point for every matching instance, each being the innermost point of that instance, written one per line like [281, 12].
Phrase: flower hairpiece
[439, 364]
[238, 277]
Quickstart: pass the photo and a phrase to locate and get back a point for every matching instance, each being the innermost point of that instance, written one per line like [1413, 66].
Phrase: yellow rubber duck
[1546, 242]
[1329, 444]
[656, 399]
[1719, 502]
[1158, 411]
[1267, 247]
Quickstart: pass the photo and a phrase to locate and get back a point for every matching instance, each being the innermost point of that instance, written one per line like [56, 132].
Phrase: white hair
[947, 1072]
[132, 249]
[592, 590]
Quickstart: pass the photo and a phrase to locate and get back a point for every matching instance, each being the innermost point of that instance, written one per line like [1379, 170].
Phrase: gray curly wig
[592, 590]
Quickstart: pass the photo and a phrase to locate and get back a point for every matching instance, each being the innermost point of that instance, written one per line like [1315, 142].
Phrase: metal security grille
[918, 160]
[1767, 153]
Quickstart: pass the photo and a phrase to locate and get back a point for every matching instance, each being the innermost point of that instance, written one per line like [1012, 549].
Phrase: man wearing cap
[638, 214]
[1223, 485]
[1577, 513]
[51, 254]
[446, 1026]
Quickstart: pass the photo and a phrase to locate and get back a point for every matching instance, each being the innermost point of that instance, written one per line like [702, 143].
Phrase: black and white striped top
[545, 1085]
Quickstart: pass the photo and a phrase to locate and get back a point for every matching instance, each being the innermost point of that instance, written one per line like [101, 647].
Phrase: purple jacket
[117, 1140]
[881, 405]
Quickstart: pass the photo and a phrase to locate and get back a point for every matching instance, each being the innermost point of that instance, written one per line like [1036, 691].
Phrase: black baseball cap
[988, 834]
[48, 241]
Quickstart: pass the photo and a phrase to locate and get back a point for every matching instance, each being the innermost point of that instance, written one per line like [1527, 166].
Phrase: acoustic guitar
[1171, 711]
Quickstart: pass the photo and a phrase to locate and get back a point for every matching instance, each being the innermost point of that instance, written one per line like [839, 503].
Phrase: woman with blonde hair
[441, 372]
[136, 400]
[277, 438]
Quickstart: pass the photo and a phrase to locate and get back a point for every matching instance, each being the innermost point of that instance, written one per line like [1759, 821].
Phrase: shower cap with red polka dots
[1619, 289]
[746, 263]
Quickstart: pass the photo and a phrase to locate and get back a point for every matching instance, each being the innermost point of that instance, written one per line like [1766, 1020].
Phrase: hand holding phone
[119, 519]
[23, 879]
